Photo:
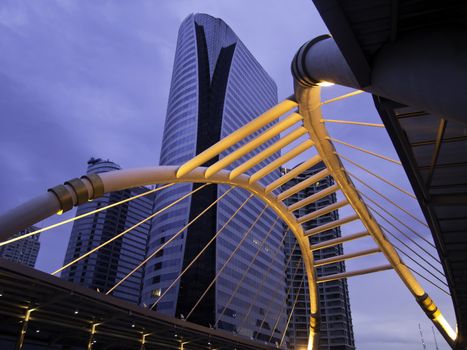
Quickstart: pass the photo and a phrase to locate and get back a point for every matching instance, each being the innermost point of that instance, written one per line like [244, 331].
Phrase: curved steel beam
[309, 103]
[63, 195]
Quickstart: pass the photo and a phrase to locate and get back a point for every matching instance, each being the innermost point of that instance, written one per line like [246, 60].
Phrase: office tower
[217, 86]
[336, 321]
[102, 269]
[24, 251]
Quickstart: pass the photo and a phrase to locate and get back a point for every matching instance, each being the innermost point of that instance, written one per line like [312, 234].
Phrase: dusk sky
[91, 79]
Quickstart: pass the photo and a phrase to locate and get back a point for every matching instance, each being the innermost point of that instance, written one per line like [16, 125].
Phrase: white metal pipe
[424, 69]
[27, 214]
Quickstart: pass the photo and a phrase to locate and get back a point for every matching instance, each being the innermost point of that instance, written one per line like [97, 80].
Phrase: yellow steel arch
[309, 102]
[307, 124]
[310, 108]
[124, 179]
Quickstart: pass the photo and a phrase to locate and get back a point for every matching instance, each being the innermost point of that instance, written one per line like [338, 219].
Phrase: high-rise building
[24, 251]
[102, 269]
[217, 86]
[336, 332]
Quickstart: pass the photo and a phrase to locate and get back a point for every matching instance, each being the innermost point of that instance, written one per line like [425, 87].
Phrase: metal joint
[298, 66]
[64, 197]
[314, 322]
[428, 305]
[96, 183]
[80, 190]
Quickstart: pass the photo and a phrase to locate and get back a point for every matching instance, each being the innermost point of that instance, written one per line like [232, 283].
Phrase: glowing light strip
[83, 215]
[202, 250]
[260, 287]
[299, 263]
[227, 261]
[291, 312]
[377, 212]
[122, 233]
[400, 222]
[428, 280]
[166, 243]
[365, 151]
[337, 121]
[377, 176]
[342, 97]
[386, 198]
[414, 252]
[237, 287]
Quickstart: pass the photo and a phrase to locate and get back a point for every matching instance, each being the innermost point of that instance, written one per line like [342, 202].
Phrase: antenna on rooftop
[421, 337]
[434, 336]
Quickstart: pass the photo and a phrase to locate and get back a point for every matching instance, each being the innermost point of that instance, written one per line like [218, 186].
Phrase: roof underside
[64, 312]
[433, 151]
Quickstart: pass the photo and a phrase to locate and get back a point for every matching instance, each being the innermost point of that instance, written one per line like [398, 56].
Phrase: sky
[81, 79]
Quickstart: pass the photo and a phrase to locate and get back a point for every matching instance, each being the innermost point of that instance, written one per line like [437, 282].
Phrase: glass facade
[104, 268]
[217, 86]
[336, 332]
[24, 251]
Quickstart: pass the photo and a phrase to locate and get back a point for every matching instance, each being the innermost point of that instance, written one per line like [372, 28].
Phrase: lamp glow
[446, 326]
[325, 83]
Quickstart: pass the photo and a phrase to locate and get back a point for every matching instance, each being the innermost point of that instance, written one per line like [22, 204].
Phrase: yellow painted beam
[293, 173]
[254, 144]
[310, 103]
[344, 257]
[323, 211]
[276, 147]
[331, 225]
[123, 179]
[238, 135]
[307, 144]
[339, 276]
[340, 240]
[303, 184]
[24, 329]
[314, 197]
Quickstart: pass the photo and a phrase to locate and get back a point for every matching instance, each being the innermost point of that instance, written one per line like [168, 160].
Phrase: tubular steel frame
[75, 192]
[310, 102]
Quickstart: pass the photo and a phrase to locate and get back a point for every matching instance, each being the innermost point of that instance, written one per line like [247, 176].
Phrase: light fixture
[76, 312]
[325, 83]
[38, 330]
[133, 325]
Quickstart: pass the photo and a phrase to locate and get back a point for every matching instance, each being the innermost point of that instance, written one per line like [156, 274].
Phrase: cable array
[78, 217]
[234, 161]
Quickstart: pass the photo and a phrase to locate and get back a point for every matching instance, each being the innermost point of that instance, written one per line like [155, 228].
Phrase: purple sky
[81, 79]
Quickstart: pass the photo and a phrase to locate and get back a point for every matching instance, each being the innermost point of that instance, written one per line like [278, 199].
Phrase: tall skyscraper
[24, 251]
[217, 86]
[102, 269]
[336, 320]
